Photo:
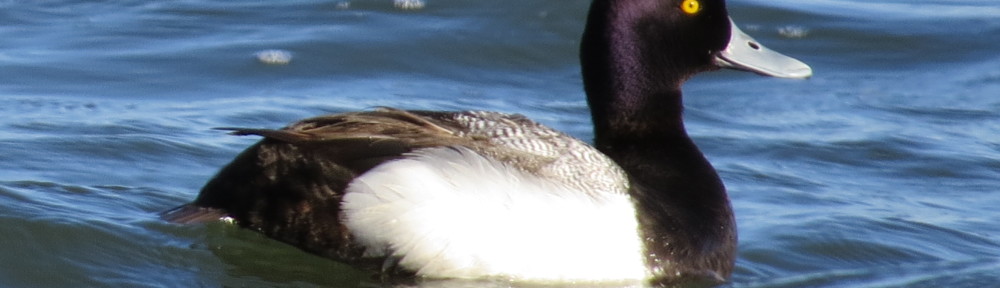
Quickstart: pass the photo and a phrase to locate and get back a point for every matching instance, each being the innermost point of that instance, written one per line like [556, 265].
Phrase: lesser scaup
[486, 194]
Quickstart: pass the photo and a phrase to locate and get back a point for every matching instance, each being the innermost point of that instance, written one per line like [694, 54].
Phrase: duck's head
[682, 37]
[636, 50]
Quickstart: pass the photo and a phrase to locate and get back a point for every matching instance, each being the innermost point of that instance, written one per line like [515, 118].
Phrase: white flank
[452, 213]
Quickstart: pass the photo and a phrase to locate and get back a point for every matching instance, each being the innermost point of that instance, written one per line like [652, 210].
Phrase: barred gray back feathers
[525, 144]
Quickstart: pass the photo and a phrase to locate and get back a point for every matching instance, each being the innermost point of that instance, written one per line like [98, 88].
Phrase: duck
[493, 195]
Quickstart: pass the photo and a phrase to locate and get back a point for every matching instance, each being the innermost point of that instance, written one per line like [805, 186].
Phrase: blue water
[880, 171]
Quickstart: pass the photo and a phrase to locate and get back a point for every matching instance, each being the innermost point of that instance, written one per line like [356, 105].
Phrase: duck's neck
[636, 104]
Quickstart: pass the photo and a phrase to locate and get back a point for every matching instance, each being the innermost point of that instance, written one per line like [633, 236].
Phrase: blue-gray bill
[745, 53]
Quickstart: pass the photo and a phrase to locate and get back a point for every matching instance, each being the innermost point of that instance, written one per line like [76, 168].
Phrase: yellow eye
[691, 7]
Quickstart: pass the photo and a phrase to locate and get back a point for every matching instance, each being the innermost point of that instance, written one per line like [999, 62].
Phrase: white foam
[409, 4]
[274, 57]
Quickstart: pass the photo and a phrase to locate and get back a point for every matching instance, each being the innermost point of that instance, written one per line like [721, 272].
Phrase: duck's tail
[189, 213]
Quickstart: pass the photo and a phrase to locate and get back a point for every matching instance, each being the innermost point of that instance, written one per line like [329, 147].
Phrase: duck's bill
[745, 53]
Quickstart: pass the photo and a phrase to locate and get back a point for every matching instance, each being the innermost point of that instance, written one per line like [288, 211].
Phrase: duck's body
[485, 194]
[438, 194]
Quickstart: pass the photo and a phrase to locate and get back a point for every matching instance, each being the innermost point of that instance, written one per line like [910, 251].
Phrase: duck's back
[440, 194]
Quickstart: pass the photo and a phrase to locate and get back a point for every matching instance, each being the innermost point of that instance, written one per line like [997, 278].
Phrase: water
[880, 171]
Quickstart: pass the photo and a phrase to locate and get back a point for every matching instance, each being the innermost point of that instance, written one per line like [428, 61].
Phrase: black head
[668, 38]
[634, 50]
[679, 36]
[635, 54]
